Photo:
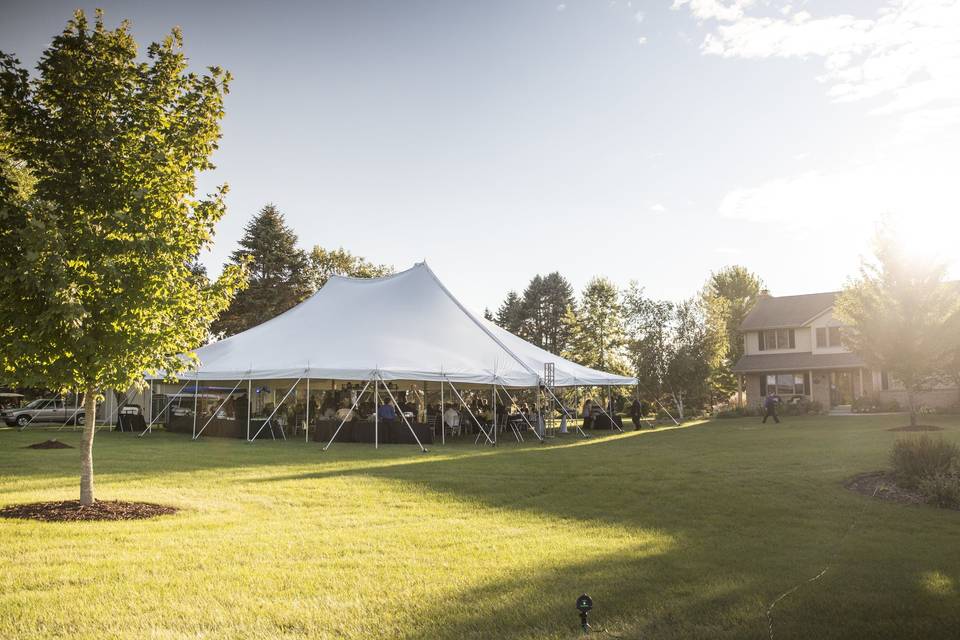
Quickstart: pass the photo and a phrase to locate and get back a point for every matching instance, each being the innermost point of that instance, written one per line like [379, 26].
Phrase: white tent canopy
[405, 326]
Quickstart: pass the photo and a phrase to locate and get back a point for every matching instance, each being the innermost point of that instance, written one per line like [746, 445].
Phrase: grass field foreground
[675, 533]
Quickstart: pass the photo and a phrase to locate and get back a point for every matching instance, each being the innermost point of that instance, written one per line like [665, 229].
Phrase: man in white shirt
[451, 418]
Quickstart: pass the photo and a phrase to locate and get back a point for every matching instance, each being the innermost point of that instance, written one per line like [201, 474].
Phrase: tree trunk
[86, 453]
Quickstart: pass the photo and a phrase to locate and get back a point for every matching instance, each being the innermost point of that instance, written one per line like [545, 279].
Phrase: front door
[841, 387]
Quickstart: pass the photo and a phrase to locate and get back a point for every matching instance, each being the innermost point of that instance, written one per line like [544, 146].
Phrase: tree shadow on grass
[629, 598]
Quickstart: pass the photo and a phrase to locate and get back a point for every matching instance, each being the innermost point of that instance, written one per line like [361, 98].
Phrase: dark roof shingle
[787, 311]
[796, 362]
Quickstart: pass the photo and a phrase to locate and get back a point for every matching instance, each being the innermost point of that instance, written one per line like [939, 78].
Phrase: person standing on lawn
[770, 405]
[636, 412]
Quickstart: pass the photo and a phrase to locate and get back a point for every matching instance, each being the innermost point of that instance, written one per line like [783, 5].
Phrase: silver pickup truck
[43, 410]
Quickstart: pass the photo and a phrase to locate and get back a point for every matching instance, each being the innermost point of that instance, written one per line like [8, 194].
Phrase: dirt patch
[49, 444]
[71, 511]
[919, 427]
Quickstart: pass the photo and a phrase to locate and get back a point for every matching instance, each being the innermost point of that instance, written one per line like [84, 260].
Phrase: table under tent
[322, 370]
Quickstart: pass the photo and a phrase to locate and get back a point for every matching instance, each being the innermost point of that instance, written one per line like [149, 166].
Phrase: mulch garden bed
[919, 427]
[49, 444]
[71, 511]
[881, 484]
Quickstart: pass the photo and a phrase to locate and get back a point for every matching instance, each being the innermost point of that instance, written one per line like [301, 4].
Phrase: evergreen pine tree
[279, 273]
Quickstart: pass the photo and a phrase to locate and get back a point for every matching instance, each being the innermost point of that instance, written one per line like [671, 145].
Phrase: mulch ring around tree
[49, 444]
[71, 511]
[919, 427]
[881, 484]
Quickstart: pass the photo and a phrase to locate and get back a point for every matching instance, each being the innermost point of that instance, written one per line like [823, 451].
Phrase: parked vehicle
[43, 410]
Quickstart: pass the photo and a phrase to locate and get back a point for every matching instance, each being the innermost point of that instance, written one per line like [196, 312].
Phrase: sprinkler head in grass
[584, 605]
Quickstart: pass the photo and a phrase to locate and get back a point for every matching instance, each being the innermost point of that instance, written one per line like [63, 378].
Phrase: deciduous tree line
[681, 352]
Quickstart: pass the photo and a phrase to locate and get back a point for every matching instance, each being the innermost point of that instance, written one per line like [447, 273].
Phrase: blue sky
[654, 141]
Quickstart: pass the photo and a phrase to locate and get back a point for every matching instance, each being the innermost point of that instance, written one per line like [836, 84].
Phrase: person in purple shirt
[770, 404]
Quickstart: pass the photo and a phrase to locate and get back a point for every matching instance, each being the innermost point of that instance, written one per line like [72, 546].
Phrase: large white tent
[405, 326]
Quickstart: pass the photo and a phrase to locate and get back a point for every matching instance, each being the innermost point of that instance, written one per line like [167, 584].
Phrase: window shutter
[763, 377]
[821, 336]
[760, 340]
[806, 383]
[793, 340]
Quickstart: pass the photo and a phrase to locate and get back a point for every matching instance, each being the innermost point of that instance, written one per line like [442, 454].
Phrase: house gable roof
[787, 311]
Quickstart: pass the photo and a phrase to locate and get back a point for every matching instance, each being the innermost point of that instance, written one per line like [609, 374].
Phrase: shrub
[915, 459]
[942, 489]
[737, 412]
[874, 404]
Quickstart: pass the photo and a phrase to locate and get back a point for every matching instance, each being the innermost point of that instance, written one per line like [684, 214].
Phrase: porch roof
[797, 362]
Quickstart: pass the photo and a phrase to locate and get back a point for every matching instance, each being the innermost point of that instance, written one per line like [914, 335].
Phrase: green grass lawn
[676, 533]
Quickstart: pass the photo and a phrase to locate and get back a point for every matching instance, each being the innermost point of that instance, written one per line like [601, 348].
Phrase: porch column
[861, 384]
[740, 391]
[810, 373]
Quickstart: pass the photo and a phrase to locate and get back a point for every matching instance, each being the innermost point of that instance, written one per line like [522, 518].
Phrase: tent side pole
[376, 412]
[275, 409]
[249, 405]
[609, 417]
[521, 413]
[493, 398]
[210, 419]
[149, 428]
[443, 420]
[349, 413]
[407, 422]
[562, 408]
[467, 407]
[306, 427]
[196, 389]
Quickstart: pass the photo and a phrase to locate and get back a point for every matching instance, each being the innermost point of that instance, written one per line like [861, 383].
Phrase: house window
[829, 337]
[777, 339]
[834, 336]
[821, 337]
[786, 384]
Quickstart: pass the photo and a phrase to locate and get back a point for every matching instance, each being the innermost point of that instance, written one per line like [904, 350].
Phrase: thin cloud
[907, 56]
[658, 208]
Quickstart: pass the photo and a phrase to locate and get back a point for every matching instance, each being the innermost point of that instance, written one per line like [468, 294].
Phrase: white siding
[824, 321]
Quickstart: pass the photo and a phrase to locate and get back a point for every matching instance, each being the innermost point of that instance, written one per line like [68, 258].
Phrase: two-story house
[792, 346]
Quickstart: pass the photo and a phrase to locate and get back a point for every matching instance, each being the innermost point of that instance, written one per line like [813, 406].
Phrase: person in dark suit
[636, 413]
[770, 406]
